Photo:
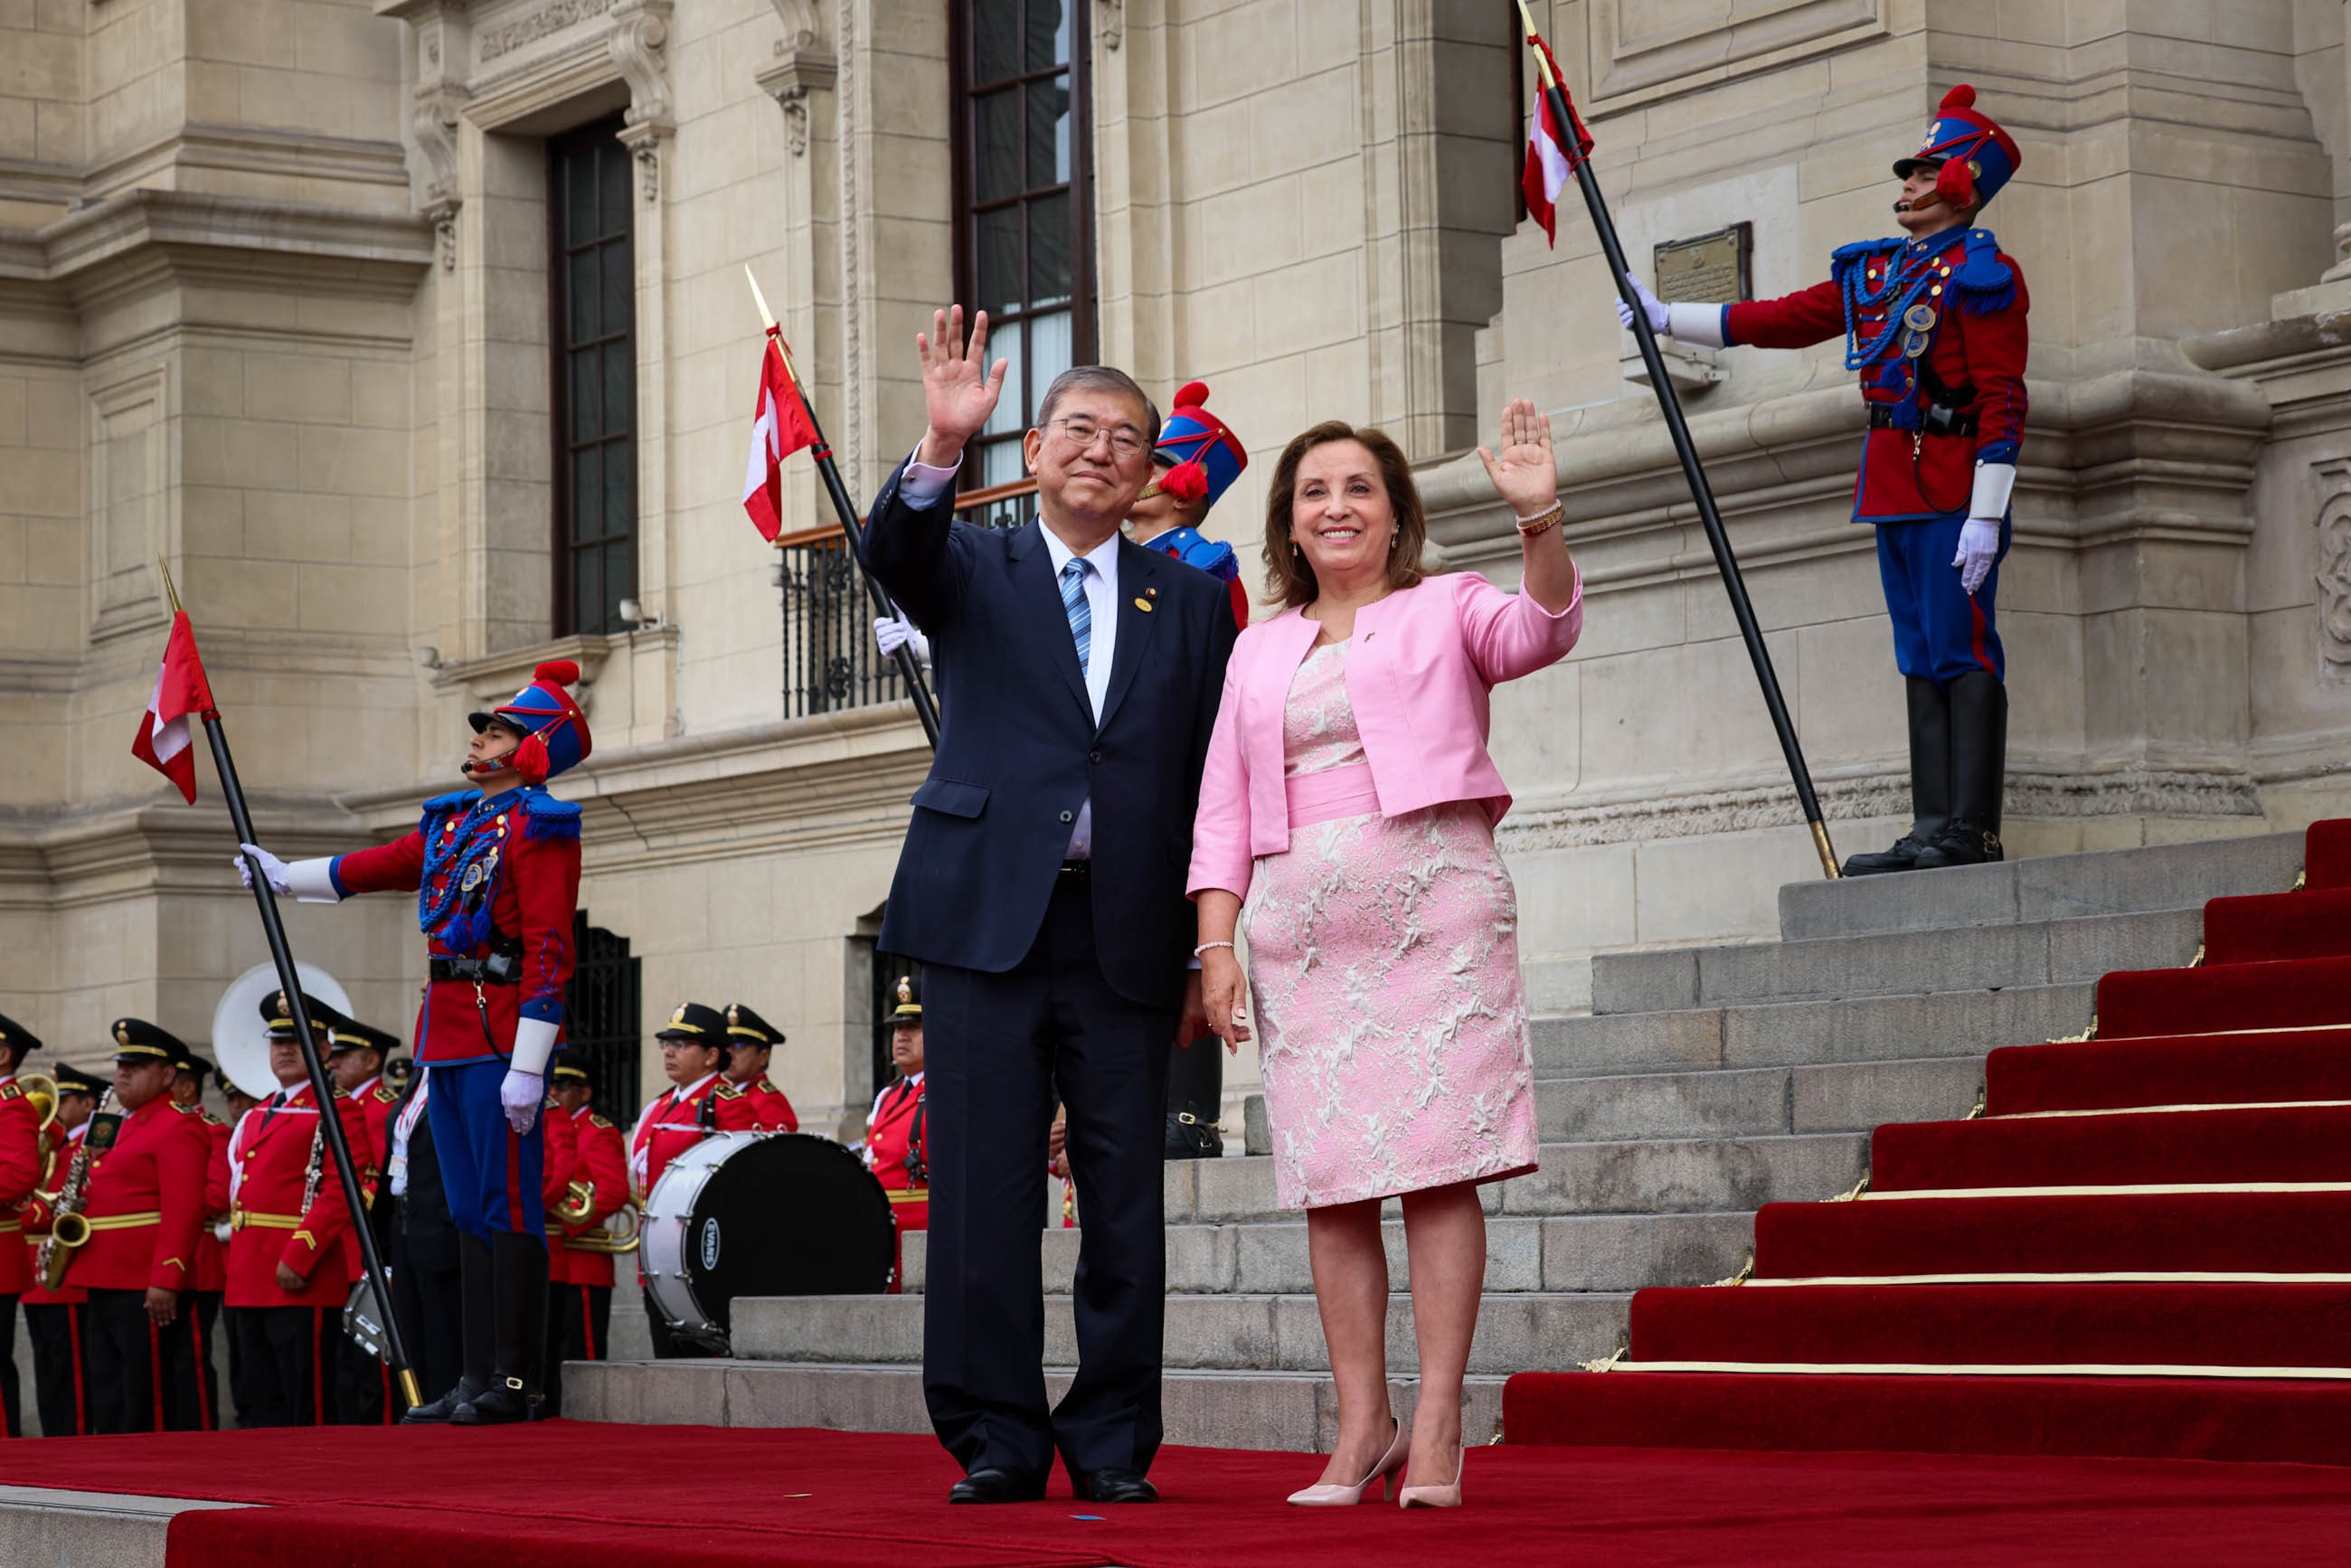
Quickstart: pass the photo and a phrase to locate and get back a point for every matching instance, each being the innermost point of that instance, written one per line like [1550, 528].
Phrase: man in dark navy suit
[1042, 888]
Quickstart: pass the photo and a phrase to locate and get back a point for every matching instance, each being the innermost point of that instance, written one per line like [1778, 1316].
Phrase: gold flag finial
[170, 591]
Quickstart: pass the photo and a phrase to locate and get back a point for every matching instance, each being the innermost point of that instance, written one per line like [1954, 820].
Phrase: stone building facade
[413, 334]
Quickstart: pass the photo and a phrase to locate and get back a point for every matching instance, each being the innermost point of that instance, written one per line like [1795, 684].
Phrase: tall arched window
[1024, 229]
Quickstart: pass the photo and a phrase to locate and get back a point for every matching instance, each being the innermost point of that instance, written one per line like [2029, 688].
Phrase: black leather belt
[1881, 417]
[502, 968]
[1078, 868]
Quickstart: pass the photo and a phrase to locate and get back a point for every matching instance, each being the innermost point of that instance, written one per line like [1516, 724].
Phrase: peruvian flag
[181, 689]
[781, 427]
[1553, 150]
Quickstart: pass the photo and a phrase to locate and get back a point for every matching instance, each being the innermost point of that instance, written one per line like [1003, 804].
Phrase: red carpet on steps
[2106, 1323]
[2326, 854]
[2217, 1233]
[2191, 1070]
[575, 1495]
[2291, 993]
[2125, 1148]
[2305, 924]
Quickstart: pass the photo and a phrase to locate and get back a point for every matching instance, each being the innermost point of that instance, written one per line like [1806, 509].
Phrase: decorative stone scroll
[804, 63]
[640, 33]
[2334, 575]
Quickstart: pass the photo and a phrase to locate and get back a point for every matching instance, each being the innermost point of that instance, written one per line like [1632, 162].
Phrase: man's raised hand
[960, 387]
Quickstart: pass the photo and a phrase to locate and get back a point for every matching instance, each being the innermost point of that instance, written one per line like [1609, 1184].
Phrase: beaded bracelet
[1204, 946]
[1542, 522]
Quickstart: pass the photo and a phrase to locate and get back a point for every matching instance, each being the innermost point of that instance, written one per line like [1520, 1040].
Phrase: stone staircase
[1705, 1083]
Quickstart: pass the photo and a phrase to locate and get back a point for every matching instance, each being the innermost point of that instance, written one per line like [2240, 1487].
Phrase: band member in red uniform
[20, 1175]
[57, 1321]
[142, 1198]
[747, 1103]
[194, 1394]
[287, 1273]
[580, 1308]
[365, 1393]
[694, 1057]
[496, 874]
[896, 1151]
[1935, 320]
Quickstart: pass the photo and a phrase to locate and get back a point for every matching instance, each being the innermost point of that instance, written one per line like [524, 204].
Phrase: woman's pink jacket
[1423, 664]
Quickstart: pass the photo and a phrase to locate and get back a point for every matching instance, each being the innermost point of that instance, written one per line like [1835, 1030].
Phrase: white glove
[1660, 318]
[891, 632]
[272, 869]
[1979, 548]
[311, 880]
[522, 1094]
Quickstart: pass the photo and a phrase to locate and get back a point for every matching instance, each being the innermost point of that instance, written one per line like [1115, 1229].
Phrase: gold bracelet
[1545, 523]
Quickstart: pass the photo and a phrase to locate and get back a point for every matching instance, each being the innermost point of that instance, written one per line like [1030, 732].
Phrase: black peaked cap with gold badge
[74, 1080]
[910, 1000]
[349, 1034]
[138, 1042]
[17, 1034]
[694, 1021]
[745, 1025]
[568, 1063]
[324, 1021]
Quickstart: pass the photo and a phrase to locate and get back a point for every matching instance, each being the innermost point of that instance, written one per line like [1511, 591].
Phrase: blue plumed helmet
[1203, 454]
[1975, 155]
[555, 732]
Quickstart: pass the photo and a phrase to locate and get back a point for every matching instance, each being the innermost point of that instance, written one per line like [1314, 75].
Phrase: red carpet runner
[2143, 1248]
[569, 1494]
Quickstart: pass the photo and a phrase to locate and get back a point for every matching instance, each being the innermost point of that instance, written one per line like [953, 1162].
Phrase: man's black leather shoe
[1903, 856]
[1112, 1484]
[440, 1410]
[504, 1404]
[989, 1484]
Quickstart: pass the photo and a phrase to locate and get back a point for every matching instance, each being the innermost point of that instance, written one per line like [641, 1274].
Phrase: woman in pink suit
[1347, 820]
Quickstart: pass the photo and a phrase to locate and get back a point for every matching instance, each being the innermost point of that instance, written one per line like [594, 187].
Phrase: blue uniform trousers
[491, 1173]
[1940, 632]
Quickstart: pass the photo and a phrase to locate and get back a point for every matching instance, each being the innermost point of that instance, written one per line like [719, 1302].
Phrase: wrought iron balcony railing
[830, 660]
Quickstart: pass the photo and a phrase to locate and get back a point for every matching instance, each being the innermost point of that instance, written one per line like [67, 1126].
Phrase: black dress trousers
[286, 1356]
[997, 1049]
[131, 1362]
[191, 1397]
[61, 1371]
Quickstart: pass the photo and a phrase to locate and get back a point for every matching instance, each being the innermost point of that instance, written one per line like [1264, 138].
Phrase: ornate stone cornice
[804, 63]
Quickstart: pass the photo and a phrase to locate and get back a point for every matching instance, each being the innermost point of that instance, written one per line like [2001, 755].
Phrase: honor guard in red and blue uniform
[139, 1206]
[194, 1394]
[57, 1321]
[288, 1274]
[694, 1046]
[1196, 461]
[20, 1176]
[896, 1150]
[748, 1102]
[580, 1310]
[1934, 320]
[496, 874]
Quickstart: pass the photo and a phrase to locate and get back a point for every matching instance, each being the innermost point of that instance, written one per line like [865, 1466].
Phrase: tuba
[617, 1235]
[42, 1091]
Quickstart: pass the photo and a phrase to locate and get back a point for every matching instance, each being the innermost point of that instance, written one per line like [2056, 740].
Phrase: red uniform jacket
[603, 1164]
[894, 1125]
[537, 893]
[20, 1174]
[562, 1154]
[144, 1202]
[758, 1107]
[667, 1127]
[211, 1253]
[57, 1148]
[1979, 340]
[376, 1101]
[269, 1164]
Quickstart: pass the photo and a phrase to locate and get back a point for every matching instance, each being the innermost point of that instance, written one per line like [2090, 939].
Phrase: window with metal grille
[602, 1017]
[592, 291]
[1023, 194]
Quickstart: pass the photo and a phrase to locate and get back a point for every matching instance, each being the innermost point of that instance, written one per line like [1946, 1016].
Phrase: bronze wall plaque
[1707, 268]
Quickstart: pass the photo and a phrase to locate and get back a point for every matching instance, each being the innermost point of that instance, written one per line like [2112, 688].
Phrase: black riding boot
[1196, 1087]
[477, 1297]
[1978, 774]
[1930, 780]
[520, 1262]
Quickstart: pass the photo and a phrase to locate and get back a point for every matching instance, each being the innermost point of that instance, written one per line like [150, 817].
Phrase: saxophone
[311, 1177]
[68, 1229]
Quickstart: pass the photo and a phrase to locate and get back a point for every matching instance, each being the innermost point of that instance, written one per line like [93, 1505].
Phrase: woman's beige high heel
[1330, 1494]
[1434, 1496]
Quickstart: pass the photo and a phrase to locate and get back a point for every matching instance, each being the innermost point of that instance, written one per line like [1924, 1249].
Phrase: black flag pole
[1677, 428]
[395, 1350]
[852, 531]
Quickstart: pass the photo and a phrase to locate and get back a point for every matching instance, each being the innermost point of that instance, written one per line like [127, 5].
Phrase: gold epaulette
[386, 1095]
[597, 1120]
[187, 1109]
[10, 1092]
[770, 1086]
[213, 1121]
[727, 1091]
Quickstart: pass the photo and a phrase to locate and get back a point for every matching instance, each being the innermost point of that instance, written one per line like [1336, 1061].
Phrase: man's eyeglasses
[1126, 441]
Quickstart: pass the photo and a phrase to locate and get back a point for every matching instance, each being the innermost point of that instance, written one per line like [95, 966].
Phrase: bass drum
[761, 1214]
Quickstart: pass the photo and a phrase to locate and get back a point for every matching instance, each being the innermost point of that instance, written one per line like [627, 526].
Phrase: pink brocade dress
[1384, 957]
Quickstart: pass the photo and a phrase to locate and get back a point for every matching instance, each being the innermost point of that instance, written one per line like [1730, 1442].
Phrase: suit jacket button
[1069, 816]
[1093, 756]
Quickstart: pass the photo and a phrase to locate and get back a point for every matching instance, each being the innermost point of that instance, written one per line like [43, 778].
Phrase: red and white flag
[1553, 150]
[781, 427]
[181, 689]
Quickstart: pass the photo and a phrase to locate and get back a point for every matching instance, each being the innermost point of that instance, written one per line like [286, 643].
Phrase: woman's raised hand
[1224, 997]
[960, 387]
[1522, 470]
